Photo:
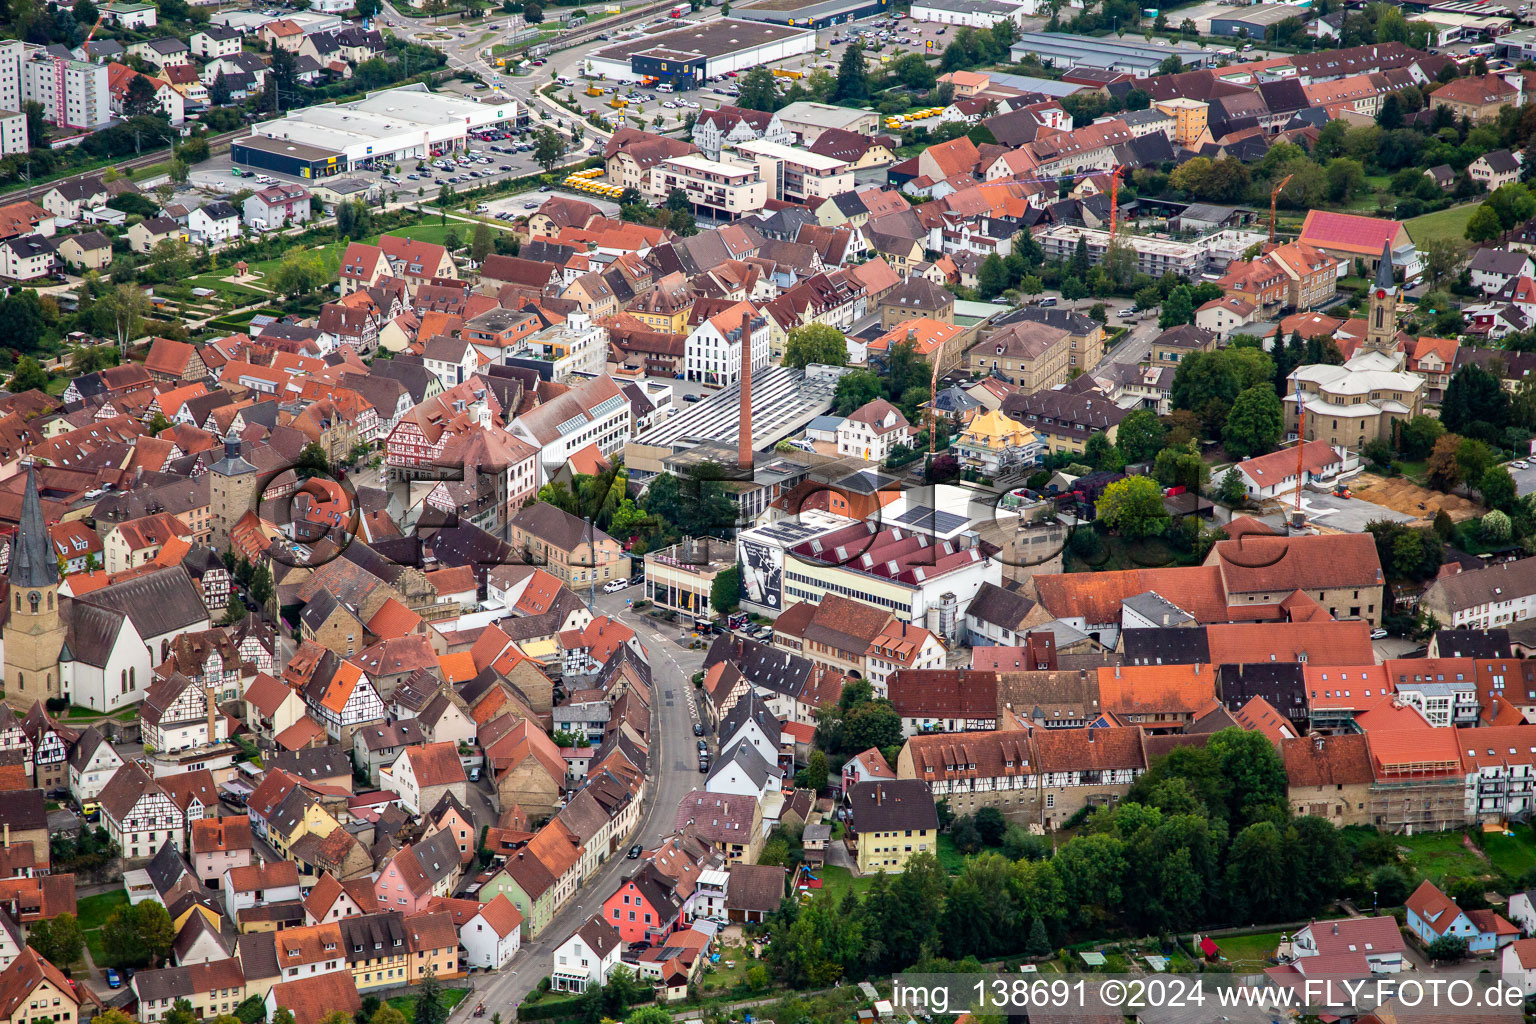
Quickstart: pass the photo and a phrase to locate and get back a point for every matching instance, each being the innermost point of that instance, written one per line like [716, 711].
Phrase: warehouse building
[1062, 50]
[379, 129]
[970, 13]
[687, 56]
[810, 13]
[1251, 22]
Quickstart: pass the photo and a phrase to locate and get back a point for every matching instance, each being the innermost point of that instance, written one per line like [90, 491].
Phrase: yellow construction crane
[1274, 196]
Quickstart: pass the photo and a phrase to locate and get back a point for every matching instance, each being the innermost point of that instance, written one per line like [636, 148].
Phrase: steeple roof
[233, 463]
[1384, 276]
[33, 563]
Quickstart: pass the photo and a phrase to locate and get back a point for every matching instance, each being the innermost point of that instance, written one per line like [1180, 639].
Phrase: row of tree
[1204, 838]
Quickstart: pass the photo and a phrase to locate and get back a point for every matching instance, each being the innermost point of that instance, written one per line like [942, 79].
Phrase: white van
[566, 80]
[664, 87]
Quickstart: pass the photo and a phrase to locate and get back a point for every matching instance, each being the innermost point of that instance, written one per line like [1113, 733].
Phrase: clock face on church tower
[1381, 293]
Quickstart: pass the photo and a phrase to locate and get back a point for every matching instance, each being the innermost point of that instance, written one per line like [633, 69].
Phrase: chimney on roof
[744, 419]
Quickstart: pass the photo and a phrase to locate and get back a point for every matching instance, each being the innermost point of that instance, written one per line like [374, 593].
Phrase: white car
[614, 586]
[1378, 634]
[1519, 464]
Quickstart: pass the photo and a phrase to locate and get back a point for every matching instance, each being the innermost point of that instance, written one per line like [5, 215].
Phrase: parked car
[614, 586]
[698, 728]
[1378, 634]
[113, 979]
[635, 851]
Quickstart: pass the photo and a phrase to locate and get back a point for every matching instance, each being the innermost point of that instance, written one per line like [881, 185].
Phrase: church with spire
[1351, 405]
[34, 630]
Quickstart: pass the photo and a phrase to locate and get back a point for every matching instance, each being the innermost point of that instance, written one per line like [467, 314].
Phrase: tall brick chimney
[744, 421]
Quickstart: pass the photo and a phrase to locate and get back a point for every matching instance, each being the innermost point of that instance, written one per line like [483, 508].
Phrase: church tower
[1381, 317]
[34, 633]
[232, 490]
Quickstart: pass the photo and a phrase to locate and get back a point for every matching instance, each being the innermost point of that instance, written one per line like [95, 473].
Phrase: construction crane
[85, 47]
[1114, 200]
[1274, 196]
[1301, 428]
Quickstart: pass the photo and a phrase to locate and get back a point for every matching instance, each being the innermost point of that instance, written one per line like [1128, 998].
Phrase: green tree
[298, 274]
[815, 343]
[1497, 488]
[482, 244]
[992, 277]
[1133, 507]
[648, 1015]
[1141, 436]
[759, 90]
[1255, 423]
[852, 78]
[1484, 225]
[855, 390]
[1448, 949]
[548, 145]
[57, 939]
[29, 376]
[1180, 465]
[181, 1012]
[814, 775]
[1232, 491]
[1178, 308]
[1495, 526]
[1038, 943]
[1100, 453]
[312, 461]
[429, 1001]
[991, 824]
[1473, 459]
[137, 936]
[261, 585]
[725, 591]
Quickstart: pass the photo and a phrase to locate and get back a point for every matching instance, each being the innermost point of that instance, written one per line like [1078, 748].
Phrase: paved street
[673, 772]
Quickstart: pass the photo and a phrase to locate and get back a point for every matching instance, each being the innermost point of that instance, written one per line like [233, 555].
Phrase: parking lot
[524, 203]
[902, 37]
[1525, 479]
[508, 155]
[1347, 514]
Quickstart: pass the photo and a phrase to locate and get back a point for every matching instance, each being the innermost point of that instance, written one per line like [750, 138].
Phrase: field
[1448, 223]
[1405, 496]
[1436, 855]
[92, 912]
[1248, 951]
[407, 1004]
[836, 882]
[1514, 855]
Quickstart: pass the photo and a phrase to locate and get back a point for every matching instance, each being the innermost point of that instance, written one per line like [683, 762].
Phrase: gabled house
[1431, 915]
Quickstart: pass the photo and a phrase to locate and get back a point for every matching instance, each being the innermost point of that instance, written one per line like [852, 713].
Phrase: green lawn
[1448, 223]
[1514, 855]
[723, 978]
[93, 911]
[837, 881]
[1436, 855]
[407, 1004]
[952, 859]
[1248, 951]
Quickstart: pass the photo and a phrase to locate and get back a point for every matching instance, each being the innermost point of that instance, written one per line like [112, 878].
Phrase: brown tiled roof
[1255, 564]
[310, 999]
[1075, 750]
[943, 693]
[1327, 760]
[435, 764]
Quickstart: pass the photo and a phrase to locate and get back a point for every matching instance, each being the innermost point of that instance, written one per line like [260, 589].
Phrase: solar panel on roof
[922, 515]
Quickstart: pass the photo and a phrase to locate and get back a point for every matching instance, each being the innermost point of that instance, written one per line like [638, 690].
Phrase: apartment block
[795, 175]
[725, 189]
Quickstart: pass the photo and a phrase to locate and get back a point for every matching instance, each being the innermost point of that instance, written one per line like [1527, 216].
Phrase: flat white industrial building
[385, 126]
